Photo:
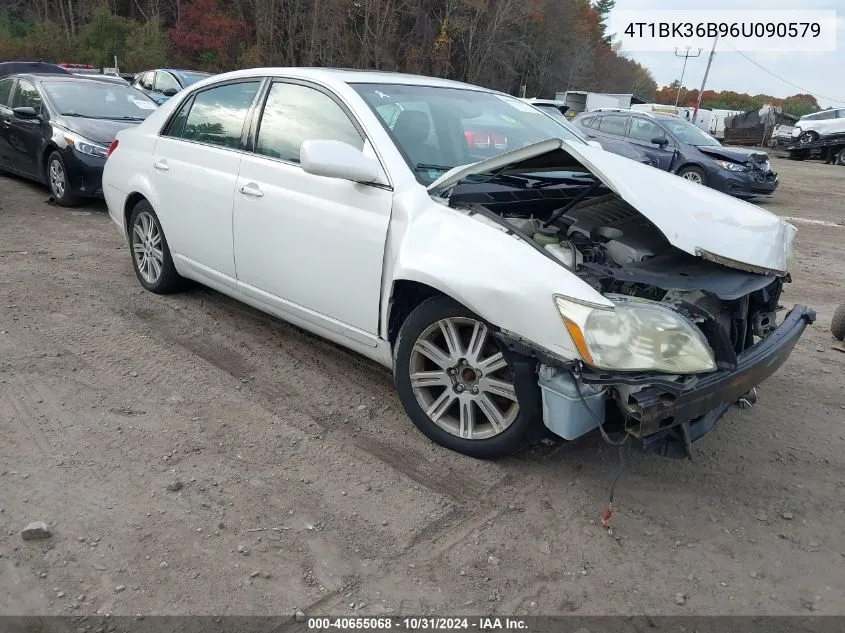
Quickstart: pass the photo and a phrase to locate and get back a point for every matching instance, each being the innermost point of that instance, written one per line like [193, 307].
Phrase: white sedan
[516, 279]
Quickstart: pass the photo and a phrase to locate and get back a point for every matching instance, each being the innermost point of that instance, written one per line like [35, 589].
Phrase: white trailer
[581, 101]
[717, 122]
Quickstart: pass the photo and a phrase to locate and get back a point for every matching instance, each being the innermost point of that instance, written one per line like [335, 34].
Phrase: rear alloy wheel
[455, 382]
[693, 174]
[150, 254]
[57, 179]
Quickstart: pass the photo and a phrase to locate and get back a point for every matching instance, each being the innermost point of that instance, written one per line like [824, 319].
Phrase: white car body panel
[325, 254]
[823, 127]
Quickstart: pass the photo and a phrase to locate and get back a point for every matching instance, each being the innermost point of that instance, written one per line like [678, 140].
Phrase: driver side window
[26, 95]
[644, 130]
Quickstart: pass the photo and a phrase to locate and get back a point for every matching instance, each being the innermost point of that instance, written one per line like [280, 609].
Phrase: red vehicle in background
[78, 68]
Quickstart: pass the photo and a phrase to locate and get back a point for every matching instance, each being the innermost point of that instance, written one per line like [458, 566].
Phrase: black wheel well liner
[45, 156]
[406, 296]
[131, 200]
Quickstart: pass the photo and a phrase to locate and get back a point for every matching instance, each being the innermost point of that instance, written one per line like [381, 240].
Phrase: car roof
[349, 76]
[185, 70]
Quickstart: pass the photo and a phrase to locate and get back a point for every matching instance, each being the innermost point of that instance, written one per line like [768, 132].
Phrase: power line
[786, 81]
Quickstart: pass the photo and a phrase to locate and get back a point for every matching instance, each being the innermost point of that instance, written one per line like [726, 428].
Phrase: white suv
[819, 126]
[554, 287]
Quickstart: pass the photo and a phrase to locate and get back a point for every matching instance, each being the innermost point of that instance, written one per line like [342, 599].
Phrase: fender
[477, 263]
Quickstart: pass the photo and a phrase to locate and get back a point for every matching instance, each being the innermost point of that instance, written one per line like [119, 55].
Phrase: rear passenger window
[294, 114]
[6, 90]
[215, 116]
[613, 124]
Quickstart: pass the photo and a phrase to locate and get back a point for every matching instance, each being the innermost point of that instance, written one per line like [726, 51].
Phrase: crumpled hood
[735, 154]
[693, 218]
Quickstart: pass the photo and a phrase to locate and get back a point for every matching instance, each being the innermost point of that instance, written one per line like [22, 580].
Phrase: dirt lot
[302, 485]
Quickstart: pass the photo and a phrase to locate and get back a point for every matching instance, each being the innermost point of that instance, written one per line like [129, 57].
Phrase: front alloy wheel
[456, 383]
[57, 178]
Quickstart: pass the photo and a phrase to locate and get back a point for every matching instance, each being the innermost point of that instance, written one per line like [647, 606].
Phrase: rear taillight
[112, 147]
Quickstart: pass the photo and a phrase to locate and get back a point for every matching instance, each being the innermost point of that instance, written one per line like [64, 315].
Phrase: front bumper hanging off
[667, 418]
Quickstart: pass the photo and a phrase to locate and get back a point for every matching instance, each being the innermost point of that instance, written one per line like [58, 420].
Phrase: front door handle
[161, 165]
[251, 190]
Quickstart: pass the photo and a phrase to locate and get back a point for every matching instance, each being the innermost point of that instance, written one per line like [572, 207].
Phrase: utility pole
[686, 55]
[704, 81]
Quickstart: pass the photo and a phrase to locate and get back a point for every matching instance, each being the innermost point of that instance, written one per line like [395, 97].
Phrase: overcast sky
[819, 73]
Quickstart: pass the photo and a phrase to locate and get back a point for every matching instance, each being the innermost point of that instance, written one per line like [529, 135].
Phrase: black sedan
[680, 147]
[56, 129]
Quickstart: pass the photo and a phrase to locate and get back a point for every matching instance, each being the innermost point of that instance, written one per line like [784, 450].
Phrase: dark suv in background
[680, 147]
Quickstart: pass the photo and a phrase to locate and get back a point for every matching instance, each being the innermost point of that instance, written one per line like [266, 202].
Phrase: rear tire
[57, 180]
[837, 324]
[693, 174]
[461, 391]
[149, 251]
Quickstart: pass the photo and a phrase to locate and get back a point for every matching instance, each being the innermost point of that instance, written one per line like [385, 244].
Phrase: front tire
[837, 324]
[808, 137]
[458, 386]
[150, 254]
[693, 174]
[57, 180]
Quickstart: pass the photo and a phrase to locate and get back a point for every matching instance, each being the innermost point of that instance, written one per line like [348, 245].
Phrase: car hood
[100, 131]
[734, 154]
[693, 218]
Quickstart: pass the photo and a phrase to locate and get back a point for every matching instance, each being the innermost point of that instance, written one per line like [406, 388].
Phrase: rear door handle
[251, 190]
[161, 165]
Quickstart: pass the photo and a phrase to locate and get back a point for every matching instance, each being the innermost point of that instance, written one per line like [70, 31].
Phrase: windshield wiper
[427, 166]
[73, 114]
[123, 118]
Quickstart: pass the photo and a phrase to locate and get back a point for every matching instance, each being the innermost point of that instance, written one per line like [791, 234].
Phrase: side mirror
[336, 159]
[25, 112]
[594, 144]
[662, 141]
[169, 92]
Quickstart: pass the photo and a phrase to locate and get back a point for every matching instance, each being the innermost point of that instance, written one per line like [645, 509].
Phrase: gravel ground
[193, 456]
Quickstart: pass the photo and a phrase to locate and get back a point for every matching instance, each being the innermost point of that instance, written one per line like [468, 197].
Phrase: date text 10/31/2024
[481, 624]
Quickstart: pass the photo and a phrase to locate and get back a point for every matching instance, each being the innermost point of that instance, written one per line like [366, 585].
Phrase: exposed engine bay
[616, 250]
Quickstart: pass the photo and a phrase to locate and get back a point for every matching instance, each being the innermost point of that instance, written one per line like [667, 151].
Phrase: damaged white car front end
[649, 304]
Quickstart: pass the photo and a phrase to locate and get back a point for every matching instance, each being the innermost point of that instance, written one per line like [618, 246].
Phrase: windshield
[191, 78]
[688, 133]
[99, 100]
[554, 112]
[440, 128]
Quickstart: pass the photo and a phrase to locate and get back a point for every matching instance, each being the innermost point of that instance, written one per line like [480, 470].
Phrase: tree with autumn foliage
[544, 45]
[796, 105]
[206, 36]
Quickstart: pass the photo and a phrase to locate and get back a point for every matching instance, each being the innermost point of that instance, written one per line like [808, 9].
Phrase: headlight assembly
[84, 146]
[729, 166]
[636, 335]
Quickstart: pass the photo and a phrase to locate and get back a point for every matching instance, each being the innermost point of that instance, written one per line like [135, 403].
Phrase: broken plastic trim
[732, 263]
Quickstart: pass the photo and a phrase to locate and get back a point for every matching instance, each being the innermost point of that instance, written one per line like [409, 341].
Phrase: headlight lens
[724, 164]
[636, 335]
[84, 146]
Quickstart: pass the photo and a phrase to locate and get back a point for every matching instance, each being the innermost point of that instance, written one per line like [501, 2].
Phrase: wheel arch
[49, 148]
[131, 201]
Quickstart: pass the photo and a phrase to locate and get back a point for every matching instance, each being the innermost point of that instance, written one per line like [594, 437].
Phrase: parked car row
[515, 278]
[57, 121]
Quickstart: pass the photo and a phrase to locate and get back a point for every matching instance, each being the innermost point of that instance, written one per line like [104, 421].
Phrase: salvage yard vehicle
[555, 286]
[557, 110]
[824, 125]
[161, 84]
[684, 149]
[56, 129]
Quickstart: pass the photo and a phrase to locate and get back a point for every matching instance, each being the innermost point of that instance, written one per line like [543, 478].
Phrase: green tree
[146, 47]
[603, 8]
[48, 42]
[104, 37]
